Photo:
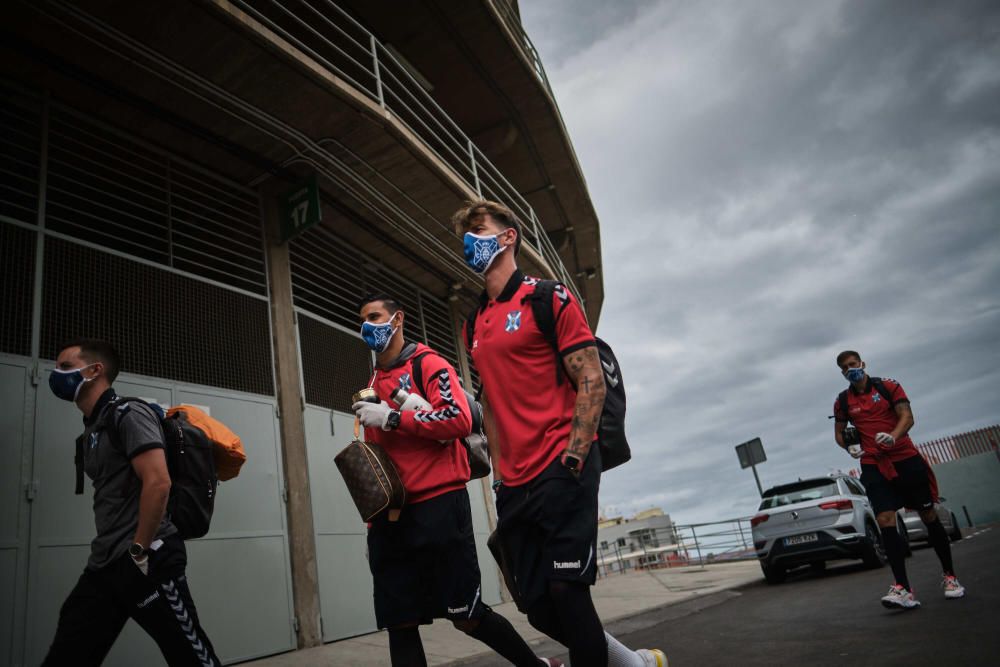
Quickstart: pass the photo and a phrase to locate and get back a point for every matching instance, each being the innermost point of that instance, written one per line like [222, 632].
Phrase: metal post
[697, 546]
[743, 538]
[475, 172]
[760, 489]
[378, 74]
[967, 517]
[36, 298]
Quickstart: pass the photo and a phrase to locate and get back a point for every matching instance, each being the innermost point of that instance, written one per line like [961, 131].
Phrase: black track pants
[95, 612]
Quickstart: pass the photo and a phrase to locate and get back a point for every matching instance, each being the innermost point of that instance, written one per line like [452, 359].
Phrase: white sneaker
[952, 589]
[652, 657]
[899, 597]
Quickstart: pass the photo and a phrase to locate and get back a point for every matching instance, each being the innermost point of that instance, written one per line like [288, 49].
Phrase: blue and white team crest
[513, 321]
[404, 382]
[876, 397]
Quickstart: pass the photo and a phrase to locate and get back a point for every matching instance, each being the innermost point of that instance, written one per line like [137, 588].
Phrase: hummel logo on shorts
[458, 610]
[145, 602]
[567, 565]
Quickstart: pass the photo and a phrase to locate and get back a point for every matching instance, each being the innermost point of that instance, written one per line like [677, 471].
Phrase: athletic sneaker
[952, 589]
[652, 657]
[899, 597]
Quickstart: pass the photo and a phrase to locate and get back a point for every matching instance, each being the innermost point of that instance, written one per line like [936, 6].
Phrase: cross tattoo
[586, 385]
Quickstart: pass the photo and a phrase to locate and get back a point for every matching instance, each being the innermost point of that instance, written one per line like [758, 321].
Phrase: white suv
[811, 521]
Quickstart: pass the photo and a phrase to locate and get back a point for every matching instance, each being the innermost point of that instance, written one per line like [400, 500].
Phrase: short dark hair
[95, 350]
[477, 208]
[845, 355]
[391, 303]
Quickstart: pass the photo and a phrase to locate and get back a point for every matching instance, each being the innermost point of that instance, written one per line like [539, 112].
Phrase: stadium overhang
[246, 95]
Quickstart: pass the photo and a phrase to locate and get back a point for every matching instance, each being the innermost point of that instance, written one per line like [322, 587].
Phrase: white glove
[885, 440]
[372, 414]
[855, 451]
[142, 563]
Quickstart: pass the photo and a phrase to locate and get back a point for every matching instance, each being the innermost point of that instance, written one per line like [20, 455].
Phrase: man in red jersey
[541, 416]
[424, 564]
[893, 472]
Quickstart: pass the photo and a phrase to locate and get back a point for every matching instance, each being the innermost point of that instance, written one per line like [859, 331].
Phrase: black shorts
[547, 528]
[424, 565]
[912, 488]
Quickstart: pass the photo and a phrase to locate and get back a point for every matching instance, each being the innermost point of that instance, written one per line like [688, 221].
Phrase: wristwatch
[572, 462]
[392, 421]
[137, 551]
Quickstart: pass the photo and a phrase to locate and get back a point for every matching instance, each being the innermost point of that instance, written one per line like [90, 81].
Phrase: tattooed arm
[583, 367]
[905, 422]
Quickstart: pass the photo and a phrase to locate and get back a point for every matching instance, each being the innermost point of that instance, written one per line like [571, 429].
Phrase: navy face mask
[377, 336]
[67, 384]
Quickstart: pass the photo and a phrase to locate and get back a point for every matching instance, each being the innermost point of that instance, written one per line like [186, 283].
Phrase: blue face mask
[377, 336]
[855, 374]
[480, 251]
[67, 384]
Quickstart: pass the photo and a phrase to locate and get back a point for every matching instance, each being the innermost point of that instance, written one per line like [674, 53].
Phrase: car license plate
[801, 539]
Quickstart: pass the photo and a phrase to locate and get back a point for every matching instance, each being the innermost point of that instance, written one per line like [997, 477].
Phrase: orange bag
[227, 446]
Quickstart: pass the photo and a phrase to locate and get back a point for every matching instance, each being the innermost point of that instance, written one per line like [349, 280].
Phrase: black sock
[405, 648]
[580, 623]
[894, 551]
[942, 545]
[496, 632]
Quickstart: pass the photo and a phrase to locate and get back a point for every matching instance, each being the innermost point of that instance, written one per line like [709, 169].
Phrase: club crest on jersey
[513, 321]
[405, 382]
[876, 397]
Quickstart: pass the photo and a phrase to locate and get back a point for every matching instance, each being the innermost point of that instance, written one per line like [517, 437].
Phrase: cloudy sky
[778, 181]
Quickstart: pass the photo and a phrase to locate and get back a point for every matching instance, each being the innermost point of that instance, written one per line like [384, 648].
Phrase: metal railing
[954, 447]
[340, 44]
[694, 544]
[513, 22]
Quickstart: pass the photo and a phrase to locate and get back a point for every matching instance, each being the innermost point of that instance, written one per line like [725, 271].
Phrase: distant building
[646, 540]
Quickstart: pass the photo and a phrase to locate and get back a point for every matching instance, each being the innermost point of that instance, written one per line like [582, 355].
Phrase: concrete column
[301, 532]
[458, 318]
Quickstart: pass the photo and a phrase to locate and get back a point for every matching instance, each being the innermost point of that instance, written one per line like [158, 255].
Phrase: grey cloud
[776, 182]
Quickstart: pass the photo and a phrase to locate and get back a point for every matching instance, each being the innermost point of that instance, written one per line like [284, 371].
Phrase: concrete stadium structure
[147, 151]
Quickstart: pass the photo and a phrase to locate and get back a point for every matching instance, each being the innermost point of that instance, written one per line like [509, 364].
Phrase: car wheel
[956, 530]
[774, 574]
[873, 553]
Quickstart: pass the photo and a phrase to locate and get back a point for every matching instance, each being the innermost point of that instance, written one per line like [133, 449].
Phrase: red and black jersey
[427, 466]
[533, 413]
[872, 414]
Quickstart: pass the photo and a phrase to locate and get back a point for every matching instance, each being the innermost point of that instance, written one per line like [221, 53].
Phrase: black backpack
[475, 443]
[882, 390]
[611, 437]
[190, 462]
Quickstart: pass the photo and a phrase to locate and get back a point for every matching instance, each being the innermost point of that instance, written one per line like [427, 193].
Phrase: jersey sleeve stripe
[578, 346]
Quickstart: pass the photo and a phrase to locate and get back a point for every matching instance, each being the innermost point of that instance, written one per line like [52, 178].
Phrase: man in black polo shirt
[137, 561]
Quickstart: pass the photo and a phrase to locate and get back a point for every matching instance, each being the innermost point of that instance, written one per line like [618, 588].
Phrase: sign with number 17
[300, 209]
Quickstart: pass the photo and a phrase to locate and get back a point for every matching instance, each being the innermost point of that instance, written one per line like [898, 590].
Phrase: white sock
[620, 655]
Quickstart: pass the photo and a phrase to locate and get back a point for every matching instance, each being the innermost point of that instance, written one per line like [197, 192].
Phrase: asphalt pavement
[835, 617]
[725, 614]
